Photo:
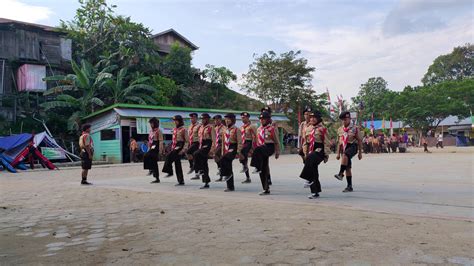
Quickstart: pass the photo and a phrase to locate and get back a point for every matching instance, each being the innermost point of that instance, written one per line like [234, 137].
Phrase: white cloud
[17, 10]
[346, 57]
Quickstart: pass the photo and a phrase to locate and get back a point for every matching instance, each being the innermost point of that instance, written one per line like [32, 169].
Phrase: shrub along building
[28, 53]
[112, 127]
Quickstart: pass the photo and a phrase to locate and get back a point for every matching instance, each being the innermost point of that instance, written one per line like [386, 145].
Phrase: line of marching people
[224, 142]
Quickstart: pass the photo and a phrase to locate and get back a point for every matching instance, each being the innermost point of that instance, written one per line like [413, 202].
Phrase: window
[109, 134]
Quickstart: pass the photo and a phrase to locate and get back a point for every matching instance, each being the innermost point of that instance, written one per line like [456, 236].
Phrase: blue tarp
[10, 143]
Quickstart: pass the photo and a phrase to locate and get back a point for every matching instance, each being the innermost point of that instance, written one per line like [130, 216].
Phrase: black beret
[245, 114]
[315, 114]
[307, 109]
[230, 115]
[177, 117]
[344, 115]
[266, 109]
[193, 115]
[205, 115]
[265, 115]
[217, 117]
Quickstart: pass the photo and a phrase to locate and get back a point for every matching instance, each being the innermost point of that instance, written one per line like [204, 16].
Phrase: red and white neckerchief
[261, 134]
[86, 135]
[151, 135]
[345, 136]
[312, 137]
[227, 140]
[218, 134]
[202, 133]
[175, 138]
[242, 131]
[191, 133]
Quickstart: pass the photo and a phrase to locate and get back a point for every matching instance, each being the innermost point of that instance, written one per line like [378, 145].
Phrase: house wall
[111, 149]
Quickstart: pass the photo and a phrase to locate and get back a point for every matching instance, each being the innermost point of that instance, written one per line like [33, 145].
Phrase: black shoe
[205, 186]
[219, 180]
[84, 182]
[195, 177]
[313, 196]
[227, 178]
[247, 181]
[179, 184]
[348, 189]
[155, 181]
[339, 177]
[264, 193]
[228, 190]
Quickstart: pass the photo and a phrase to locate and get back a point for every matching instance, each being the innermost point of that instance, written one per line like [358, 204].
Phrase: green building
[112, 127]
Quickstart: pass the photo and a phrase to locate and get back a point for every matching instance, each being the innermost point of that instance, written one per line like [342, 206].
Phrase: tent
[14, 149]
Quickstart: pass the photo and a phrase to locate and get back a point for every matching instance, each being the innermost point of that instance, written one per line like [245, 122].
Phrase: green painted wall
[111, 148]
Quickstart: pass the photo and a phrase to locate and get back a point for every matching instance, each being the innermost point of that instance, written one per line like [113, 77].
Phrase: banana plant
[135, 91]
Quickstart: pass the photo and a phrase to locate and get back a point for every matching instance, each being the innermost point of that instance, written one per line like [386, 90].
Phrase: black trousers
[226, 165]
[247, 146]
[191, 150]
[150, 159]
[310, 170]
[260, 158]
[174, 157]
[218, 155]
[200, 160]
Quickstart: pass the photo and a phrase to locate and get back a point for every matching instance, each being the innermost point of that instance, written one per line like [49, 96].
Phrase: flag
[331, 108]
[339, 100]
[383, 123]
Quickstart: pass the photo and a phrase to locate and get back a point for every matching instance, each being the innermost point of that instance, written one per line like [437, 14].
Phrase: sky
[346, 41]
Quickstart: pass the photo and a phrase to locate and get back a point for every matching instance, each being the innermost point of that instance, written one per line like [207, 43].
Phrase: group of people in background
[381, 143]
[219, 138]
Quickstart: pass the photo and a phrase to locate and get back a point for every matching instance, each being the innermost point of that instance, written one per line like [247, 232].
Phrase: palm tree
[77, 92]
[136, 91]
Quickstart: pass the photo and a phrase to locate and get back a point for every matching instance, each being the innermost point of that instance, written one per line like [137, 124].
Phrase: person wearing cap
[193, 132]
[267, 144]
[231, 146]
[302, 132]
[350, 144]
[317, 140]
[202, 154]
[179, 145]
[249, 139]
[216, 150]
[155, 142]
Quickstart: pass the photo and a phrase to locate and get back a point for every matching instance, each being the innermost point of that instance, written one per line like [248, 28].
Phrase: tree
[281, 80]
[177, 65]
[77, 93]
[375, 96]
[135, 91]
[457, 65]
[218, 77]
[98, 34]
[165, 89]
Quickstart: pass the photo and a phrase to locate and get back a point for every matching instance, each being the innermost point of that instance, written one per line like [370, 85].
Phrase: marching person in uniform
[350, 144]
[193, 132]
[86, 144]
[269, 111]
[202, 154]
[217, 146]
[231, 146]
[249, 139]
[178, 148]
[267, 144]
[302, 132]
[318, 150]
[155, 142]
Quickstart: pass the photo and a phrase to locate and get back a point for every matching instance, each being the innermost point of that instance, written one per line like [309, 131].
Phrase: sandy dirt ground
[407, 209]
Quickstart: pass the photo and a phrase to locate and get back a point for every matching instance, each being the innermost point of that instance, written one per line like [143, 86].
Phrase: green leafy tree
[457, 65]
[177, 65]
[135, 91]
[76, 94]
[218, 77]
[165, 89]
[374, 94]
[281, 80]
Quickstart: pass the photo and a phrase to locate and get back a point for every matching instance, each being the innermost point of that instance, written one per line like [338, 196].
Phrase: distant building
[28, 53]
[165, 39]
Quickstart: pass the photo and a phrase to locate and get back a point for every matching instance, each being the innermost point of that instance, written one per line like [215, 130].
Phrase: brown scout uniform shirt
[193, 132]
[235, 138]
[250, 132]
[318, 138]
